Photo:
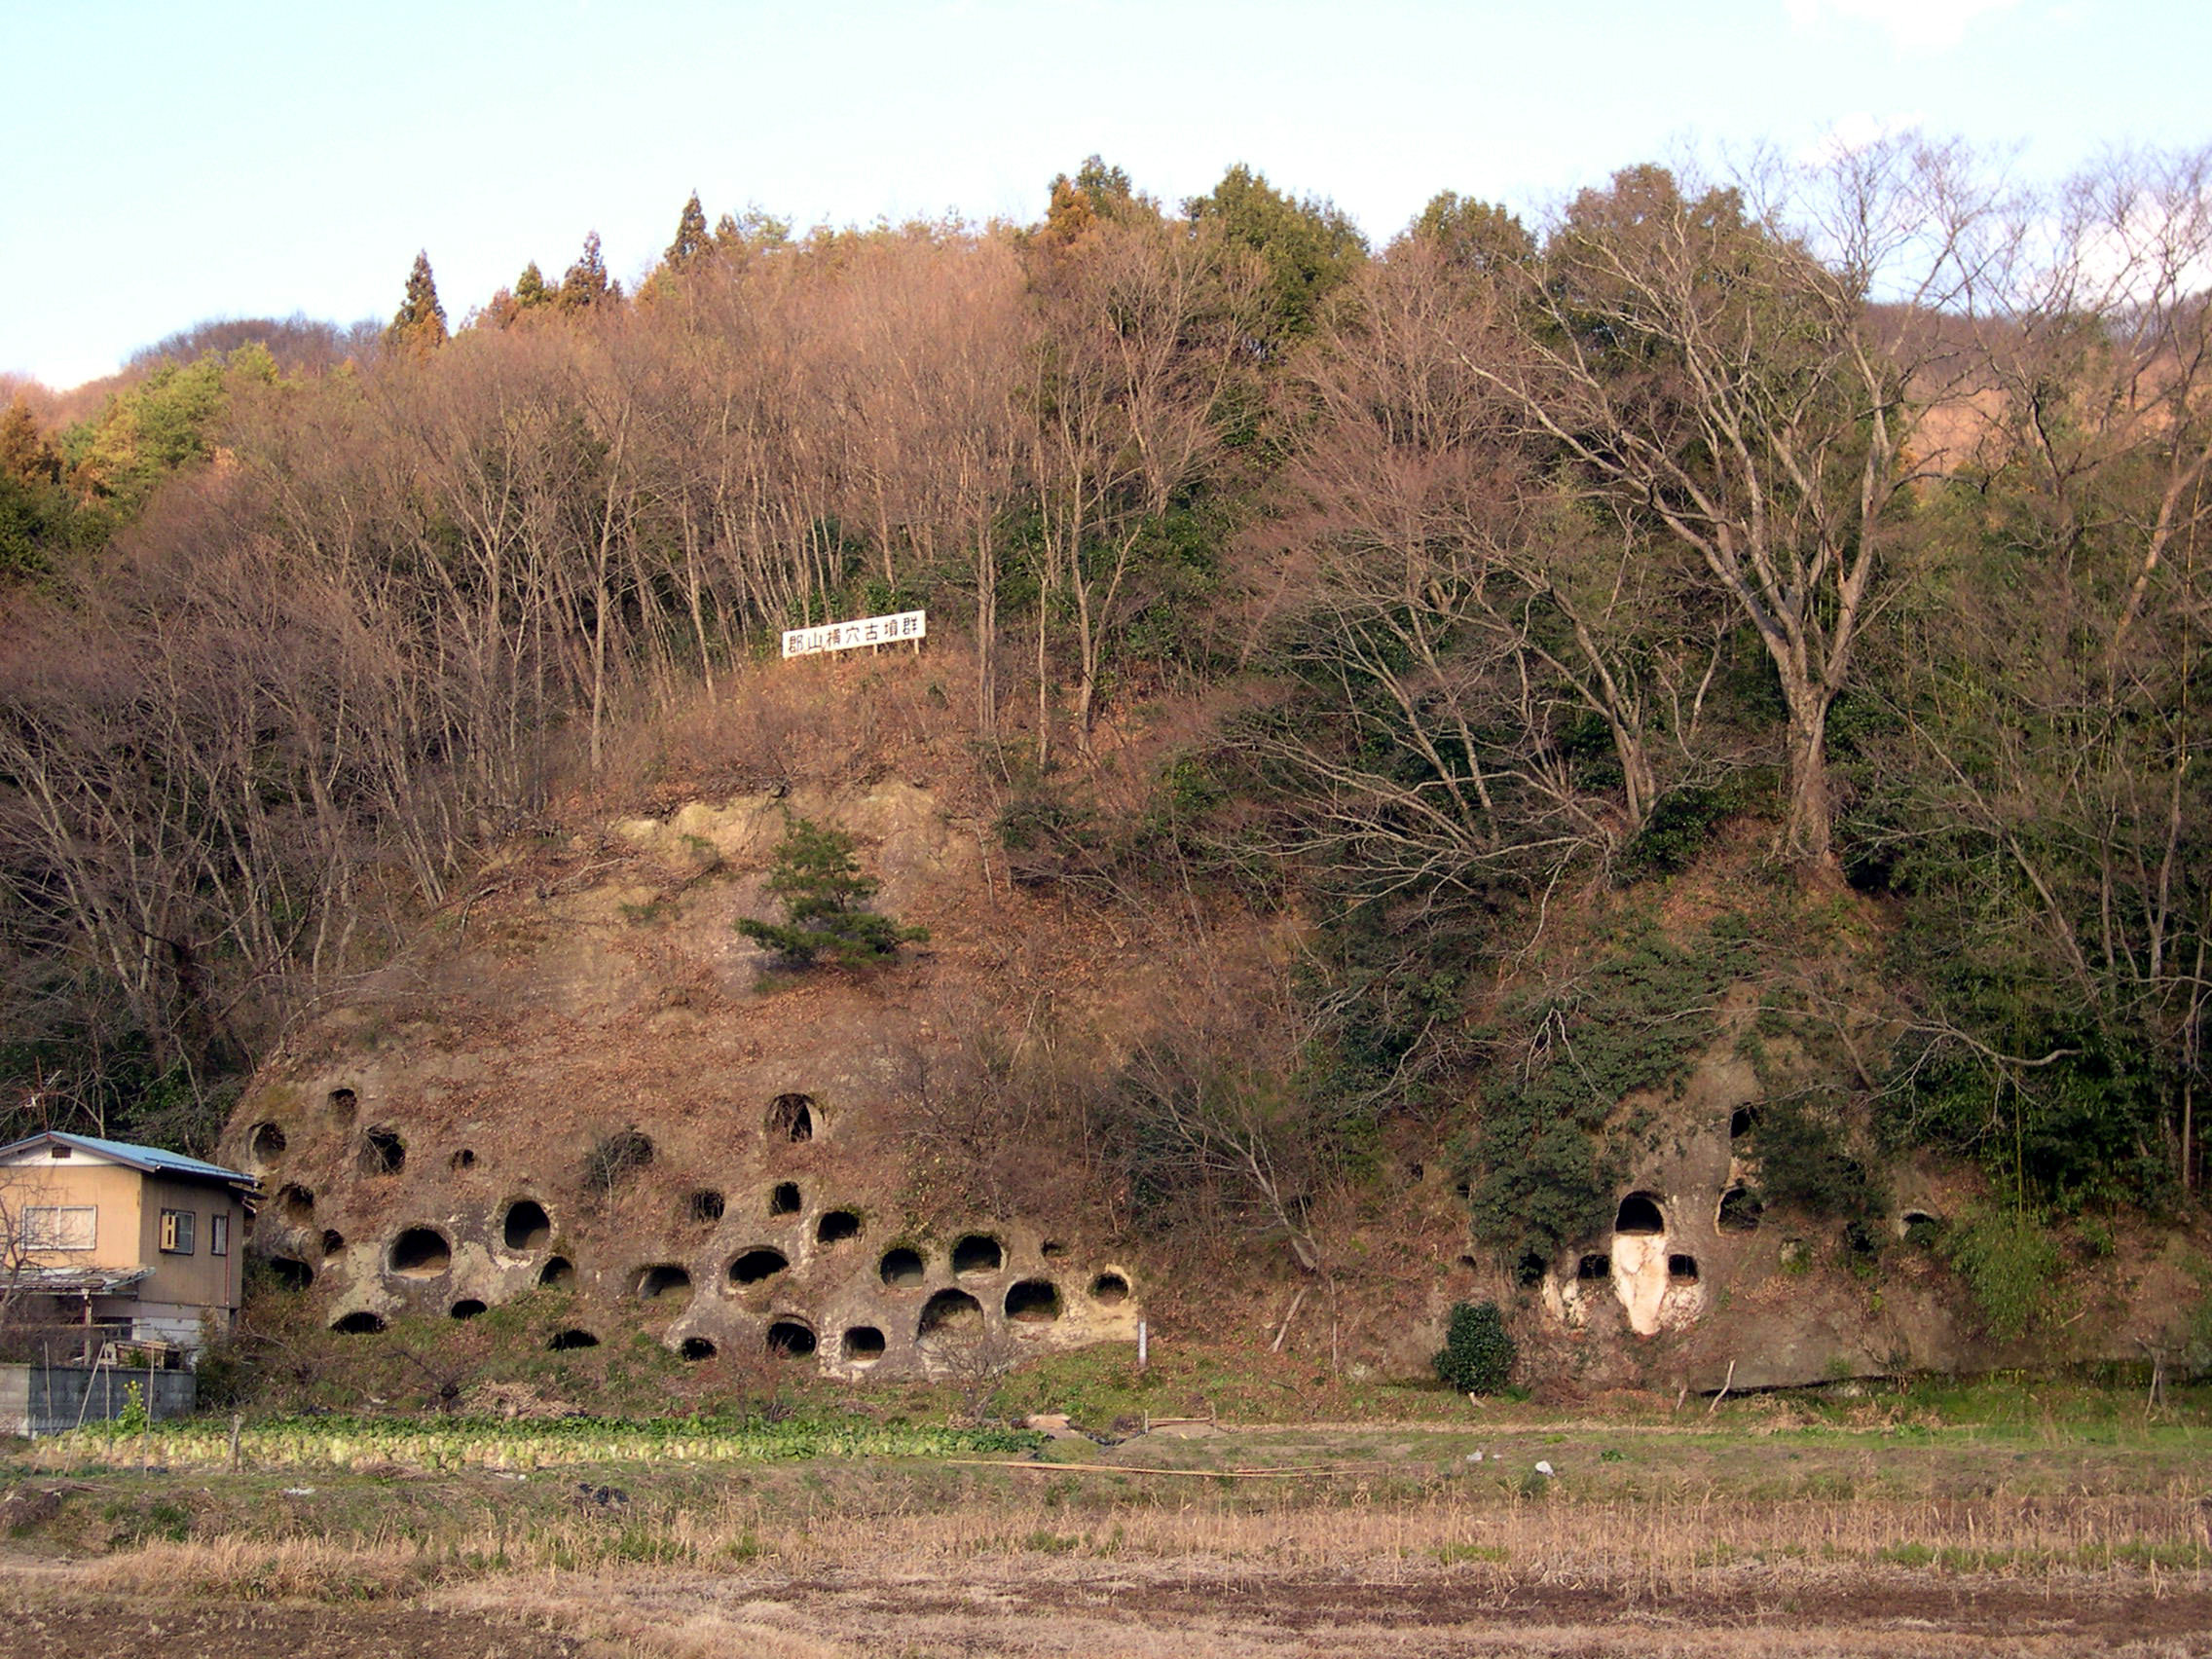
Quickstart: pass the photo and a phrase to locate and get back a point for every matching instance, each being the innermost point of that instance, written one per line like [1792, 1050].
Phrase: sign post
[905, 627]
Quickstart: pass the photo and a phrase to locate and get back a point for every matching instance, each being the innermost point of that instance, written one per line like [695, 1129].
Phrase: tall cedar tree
[585, 283]
[691, 238]
[825, 899]
[420, 324]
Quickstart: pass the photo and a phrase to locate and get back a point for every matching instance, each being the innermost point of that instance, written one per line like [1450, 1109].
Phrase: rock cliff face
[582, 1084]
[585, 1080]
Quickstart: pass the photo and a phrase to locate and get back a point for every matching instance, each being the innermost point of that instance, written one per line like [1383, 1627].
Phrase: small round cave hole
[1682, 1269]
[950, 1315]
[789, 1338]
[784, 1198]
[342, 1104]
[1639, 1216]
[1108, 1290]
[662, 1278]
[358, 1323]
[558, 1273]
[267, 1143]
[1053, 1250]
[290, 1273]
[1742, 1121]
[1922, 1231]
[755, 1266]
[382, 1151]
[614, 1157]
[705, 1206]
[468, 1308]
[901, 1269]
[464, 1159]
[1593, 1268]
[836, 1226]
[1740, 1211]
[420, 1252]
[696, 1347]
[295, 1204]
[977, 1253]
[862, 1345]
[333, 1242]
[793, 1118]
[1033, 1302]
[576, 1337]
[526, 1227]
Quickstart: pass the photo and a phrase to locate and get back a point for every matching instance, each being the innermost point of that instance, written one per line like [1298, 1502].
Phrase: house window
[59, 1227]
[176, 1231]
[218, 1236]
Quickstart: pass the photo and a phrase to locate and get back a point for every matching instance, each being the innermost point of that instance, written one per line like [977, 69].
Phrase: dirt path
[1092, 1610]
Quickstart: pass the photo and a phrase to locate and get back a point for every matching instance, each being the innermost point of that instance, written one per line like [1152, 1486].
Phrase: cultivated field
[1997, 1521]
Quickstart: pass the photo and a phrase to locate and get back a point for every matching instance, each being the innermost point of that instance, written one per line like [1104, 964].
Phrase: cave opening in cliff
[1682, 1269]
[295, 1204]
[1742, 1121]
[382, 1151]
[420, 1252]
[464, 1159]
[793, 1118]
[526, 1227]
[1034, 1302]
[558, 1273]
[863, 1345]
[1639, 1216]
[468, 1308]
[342, 1104]
[662, 1278]
[755, 1266]
[901, 1269]
[790, 1339]
[784, 1198]
[267, 1143]
[836, 1226]
[1593, 1269]
[1922, 1231]
[290, 1273]
[333, 1242]
[1740, 1211]
[576, 1337]
[977, 1253]
[705, 1206]
[1109, 1289]
[697, 1347]
[950, 1315]
[358, 1323]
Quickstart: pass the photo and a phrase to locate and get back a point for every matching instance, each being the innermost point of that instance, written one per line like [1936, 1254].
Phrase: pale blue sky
[166, 163]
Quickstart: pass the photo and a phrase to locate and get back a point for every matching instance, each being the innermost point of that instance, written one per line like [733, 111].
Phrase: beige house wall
[127, 1232]
[108, 1187]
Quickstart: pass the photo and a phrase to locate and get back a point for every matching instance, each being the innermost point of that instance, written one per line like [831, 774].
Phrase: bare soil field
[1756, 1534]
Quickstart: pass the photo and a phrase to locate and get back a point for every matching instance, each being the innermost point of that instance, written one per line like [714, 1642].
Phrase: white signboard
[907, 625]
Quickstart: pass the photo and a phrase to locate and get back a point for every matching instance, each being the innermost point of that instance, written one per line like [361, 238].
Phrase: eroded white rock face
[1640, 1279]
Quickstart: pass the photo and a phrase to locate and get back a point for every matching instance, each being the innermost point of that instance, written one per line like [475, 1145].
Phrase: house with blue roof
[122, 1243]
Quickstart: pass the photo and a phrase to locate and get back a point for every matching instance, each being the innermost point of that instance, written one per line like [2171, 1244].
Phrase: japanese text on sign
[907, 625]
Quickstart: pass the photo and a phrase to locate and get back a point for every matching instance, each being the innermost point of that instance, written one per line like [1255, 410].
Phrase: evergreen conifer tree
[420, 324]
[826, 904]
[585, 284]
[691, 239]
[531, 290]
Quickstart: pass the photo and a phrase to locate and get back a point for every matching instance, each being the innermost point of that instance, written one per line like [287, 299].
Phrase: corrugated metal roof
[62, 1281]
[149, 1159]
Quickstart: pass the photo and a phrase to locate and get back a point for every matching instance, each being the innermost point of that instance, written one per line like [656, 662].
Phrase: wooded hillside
[1844, 519]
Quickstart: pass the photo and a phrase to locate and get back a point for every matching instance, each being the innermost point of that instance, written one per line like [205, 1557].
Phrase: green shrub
[2011, 1262]
[1477, 1356]
[826, 904]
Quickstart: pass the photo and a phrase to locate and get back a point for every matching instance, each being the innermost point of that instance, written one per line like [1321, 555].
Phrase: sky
[167, 163]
